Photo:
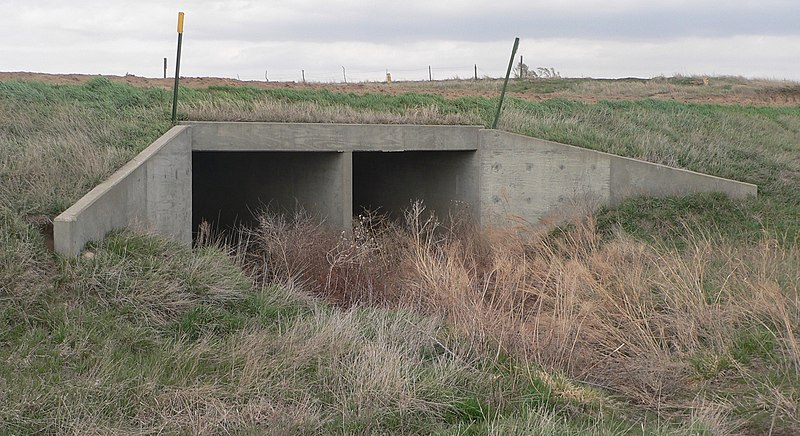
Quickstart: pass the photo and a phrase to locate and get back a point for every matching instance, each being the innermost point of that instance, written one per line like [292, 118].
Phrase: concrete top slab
[249, 136]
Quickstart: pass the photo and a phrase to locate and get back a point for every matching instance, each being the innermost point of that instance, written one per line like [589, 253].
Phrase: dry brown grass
[59, 152]
[269, 110]
[620, 314]
[23, 266]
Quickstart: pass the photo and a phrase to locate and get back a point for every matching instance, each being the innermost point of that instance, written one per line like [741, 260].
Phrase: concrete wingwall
[222, 171]
[524, 178]
[154, 189]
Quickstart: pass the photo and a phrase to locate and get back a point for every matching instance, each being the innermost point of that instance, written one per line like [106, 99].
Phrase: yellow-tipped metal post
[177, 69]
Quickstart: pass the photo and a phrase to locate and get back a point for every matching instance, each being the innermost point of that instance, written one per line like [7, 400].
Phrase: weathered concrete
[154, 189]
[225, 136]
[335, 170]
[631, 177]
[522, 178]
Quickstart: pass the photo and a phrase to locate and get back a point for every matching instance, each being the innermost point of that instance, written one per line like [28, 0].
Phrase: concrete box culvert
[222, 172]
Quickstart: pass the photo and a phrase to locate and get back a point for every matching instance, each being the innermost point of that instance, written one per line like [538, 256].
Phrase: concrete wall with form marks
[154, 189]
[224, 173]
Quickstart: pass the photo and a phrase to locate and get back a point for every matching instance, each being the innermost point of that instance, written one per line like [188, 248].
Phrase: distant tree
[521, 71]
[548, 73]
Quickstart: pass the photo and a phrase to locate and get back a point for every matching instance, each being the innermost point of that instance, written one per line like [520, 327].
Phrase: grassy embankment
[666, 316]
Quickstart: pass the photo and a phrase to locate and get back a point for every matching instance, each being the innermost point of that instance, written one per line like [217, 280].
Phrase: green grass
[143, 335]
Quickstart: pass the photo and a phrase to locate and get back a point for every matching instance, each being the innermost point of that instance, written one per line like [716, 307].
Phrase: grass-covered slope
[676, 315]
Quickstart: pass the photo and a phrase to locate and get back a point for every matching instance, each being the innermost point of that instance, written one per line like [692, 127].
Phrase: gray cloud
[578, 37]
[576, 19]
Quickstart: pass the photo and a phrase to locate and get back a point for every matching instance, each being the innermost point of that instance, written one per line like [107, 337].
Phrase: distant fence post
[165, 68]
[430, 74]
[303, 73]
[476, 71]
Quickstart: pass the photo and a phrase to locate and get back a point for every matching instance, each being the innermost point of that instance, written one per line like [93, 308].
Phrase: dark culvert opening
[389, 182]
[230, 188]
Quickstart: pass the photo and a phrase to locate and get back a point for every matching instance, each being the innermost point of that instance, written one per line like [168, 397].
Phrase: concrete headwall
[523, 178]
[154, 189]
[330, 168]
[230, 136]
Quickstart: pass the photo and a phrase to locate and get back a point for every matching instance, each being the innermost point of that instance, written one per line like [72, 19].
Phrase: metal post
[430, 74]
[177, 69]
[165, 68]
[505, 83]
[303, 73]
[476, 71]
[344, 74]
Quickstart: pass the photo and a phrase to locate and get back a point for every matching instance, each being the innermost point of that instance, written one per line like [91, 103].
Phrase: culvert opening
[388, 182]
[229, 188]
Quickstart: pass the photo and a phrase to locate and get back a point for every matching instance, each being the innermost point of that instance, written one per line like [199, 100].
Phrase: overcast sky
[579, 38]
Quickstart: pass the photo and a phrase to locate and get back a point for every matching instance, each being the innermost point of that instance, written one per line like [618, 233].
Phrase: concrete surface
[631, 177]
[153, 189]
[222, 172]
[524, 178]
[228, 136]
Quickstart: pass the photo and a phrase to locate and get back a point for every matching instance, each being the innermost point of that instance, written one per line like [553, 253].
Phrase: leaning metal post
[505, 83]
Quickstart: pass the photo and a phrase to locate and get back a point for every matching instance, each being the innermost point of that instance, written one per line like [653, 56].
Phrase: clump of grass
[23, 263]
[154, 279]
[145, 336]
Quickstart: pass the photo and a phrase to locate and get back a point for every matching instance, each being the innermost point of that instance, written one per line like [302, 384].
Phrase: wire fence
[347, 75]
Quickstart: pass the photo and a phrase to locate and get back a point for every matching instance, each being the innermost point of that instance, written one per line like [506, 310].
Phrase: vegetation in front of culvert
[707, 329]
[147, 336]
[673, 315]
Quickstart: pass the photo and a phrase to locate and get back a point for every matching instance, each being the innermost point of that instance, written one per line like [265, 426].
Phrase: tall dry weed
[620, 314]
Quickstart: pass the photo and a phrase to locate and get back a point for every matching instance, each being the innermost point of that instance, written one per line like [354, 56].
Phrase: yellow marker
[180, 22]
